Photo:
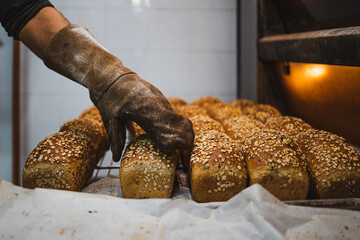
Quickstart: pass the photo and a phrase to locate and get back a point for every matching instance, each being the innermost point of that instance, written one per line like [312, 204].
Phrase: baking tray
[107, 167]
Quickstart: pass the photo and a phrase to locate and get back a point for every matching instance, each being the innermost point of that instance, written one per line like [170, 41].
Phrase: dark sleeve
[14, 14]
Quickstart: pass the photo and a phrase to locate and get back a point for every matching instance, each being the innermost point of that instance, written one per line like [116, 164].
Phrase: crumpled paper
[252, 214]
[111, 185]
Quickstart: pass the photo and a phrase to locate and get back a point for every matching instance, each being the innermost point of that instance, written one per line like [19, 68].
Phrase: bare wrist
[38, 32]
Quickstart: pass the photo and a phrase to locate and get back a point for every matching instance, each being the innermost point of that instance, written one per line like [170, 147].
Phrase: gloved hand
[118, 93]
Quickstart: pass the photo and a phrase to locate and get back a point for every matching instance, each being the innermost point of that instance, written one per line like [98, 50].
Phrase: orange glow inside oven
[326, 96]
[323, 83]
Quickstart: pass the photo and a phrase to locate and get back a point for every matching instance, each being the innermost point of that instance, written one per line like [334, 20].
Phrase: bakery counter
[105, 181]
[252, 214]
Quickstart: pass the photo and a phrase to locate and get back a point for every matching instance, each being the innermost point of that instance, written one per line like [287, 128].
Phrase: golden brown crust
[205, 102]
[92, 113]
[64, 160]
[260, 112]
[218, 170]
[251, 109]
[145, 171]
[288, 125]
[333, 165]
[204, 123]
[239, 128]
[93, 130]
[221, 112]
[191, 110]
[176, 102]
[243, 103]
[134, 129]
[277, 163]
[201, 124]
[261, 116]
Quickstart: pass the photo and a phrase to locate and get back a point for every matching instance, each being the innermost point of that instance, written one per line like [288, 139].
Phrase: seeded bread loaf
[204, 123]
[93, 114]
[222, 111]
[64, 160]
[175, 102]
[252, 109]
[217, 168]
[201, 124]
[134, 129]
[262, 112]
[93, 130]
[190, 110]
[239, 128]
[145, 171]
[205, 102]
[277, 163]
[243, 104]
[333, 165]
[288, 125]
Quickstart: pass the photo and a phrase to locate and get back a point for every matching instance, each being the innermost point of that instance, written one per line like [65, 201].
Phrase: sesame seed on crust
[64, 160]
[92, 113]
[175, 102]
[218, 170]
[190, 110]
[221, 112]
[145, 171]
[277, 163]
[93, 130]
[205, 102]
[243, 103]
[204, 123]
[333, 165]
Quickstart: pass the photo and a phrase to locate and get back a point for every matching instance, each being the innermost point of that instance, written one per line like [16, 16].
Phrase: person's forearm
[38, 32]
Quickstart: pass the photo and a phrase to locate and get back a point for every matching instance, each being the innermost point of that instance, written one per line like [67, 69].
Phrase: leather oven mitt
[118, 93]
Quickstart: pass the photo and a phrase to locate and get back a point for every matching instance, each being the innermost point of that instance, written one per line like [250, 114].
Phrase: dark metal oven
[308, 61]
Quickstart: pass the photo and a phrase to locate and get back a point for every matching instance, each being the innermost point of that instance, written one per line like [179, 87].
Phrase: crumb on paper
[113, 193]
[62, 230]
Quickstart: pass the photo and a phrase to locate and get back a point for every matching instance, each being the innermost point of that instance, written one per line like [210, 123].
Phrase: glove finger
[169, 131]
[117, 134]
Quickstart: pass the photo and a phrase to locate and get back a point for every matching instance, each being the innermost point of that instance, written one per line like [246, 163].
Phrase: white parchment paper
[252, 214]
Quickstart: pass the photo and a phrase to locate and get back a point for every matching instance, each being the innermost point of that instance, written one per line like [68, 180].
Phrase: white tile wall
[214, 4]
[213, 30]
[126, 29]
[5, 106]
[169, 71]
[170, 30]
[187, 48]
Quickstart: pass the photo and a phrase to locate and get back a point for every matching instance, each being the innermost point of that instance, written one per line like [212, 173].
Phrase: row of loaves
[65, 160]
[284, 154]
[243, 143]
[236, 145]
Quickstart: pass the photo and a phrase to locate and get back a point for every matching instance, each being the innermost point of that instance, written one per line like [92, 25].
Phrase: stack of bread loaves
[235, 145]
[66, 159]
[284, 154]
